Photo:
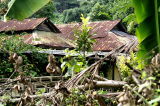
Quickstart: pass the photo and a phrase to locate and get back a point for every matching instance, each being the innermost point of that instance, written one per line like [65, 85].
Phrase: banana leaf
[147, 14]
[21, 9]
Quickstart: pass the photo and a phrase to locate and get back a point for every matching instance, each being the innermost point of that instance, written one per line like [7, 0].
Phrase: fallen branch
[101, 97]
[110, 95]
[100, 101]
[76, 79]
[100, 78]
[73, 82]
[134, 70]
[109, 83]
[102, 84]
[8, 83]
[135, 80]
[129, 87]
[31, 96]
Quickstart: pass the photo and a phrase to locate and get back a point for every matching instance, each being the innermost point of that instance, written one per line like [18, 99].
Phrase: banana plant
[21, 9]
[148, 17]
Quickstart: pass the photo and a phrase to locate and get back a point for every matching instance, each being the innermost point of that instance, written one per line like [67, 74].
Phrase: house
[108, 35]
[41, 32]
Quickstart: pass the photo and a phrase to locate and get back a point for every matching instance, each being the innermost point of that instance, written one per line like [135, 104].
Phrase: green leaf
[148, 30]
[41, 91]
[63, 66]
[143, 9]
[21, 9]
[154, 100]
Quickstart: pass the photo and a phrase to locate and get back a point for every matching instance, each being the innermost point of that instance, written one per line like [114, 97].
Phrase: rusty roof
[14, 25]
[112, 41]
[48, 39]
[106, 40]
[98, 28]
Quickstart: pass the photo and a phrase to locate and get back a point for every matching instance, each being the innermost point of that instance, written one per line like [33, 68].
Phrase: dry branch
[109, 83]
[101, 101]
[110, 95]
[31, 96]
[7, 83]
[135, 80]
[103, 84]
[73, 82]
[76, 79]
[134, 70]
[100, 78]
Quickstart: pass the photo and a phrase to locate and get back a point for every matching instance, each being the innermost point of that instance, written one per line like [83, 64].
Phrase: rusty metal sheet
[99, 29]
[111, 41]
[106, 40]
[47, 39]
[14, 25]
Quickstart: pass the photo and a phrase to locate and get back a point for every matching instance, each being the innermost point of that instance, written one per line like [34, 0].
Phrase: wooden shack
[43, 33]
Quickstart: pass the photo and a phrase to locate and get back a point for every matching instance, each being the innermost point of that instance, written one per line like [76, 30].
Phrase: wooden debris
[76, 79]
[102, 84]
[100, 78]
[110, 95]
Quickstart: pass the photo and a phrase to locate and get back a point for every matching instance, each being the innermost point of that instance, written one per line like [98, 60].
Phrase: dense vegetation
[140, 85]
[70, 11]
[67, 11]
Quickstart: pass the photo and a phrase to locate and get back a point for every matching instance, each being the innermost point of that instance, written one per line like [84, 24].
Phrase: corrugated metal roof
[106, 40]
[112, 41]
[47, 39]
[14, 25]
[99, 29]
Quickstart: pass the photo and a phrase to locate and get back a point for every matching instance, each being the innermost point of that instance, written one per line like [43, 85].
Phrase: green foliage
[79, 98]
[14, 44]
[130, 20]
[41, 91]
[120, 8]
[100, 92]
[154, 102]
[66, 11]
[84, 43]
[147, 15]
[62, 5]
[148, 87]
[29, 68]
[82, 98]
[5, 66]
[99, 12]
[4, 97]
[39, 62]
[33, 65]
[73, 64]
[83, 37]
[133, 61]
[123, 9]
[21, 9]
[3, 9]
[48, 11]
[74, 14]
